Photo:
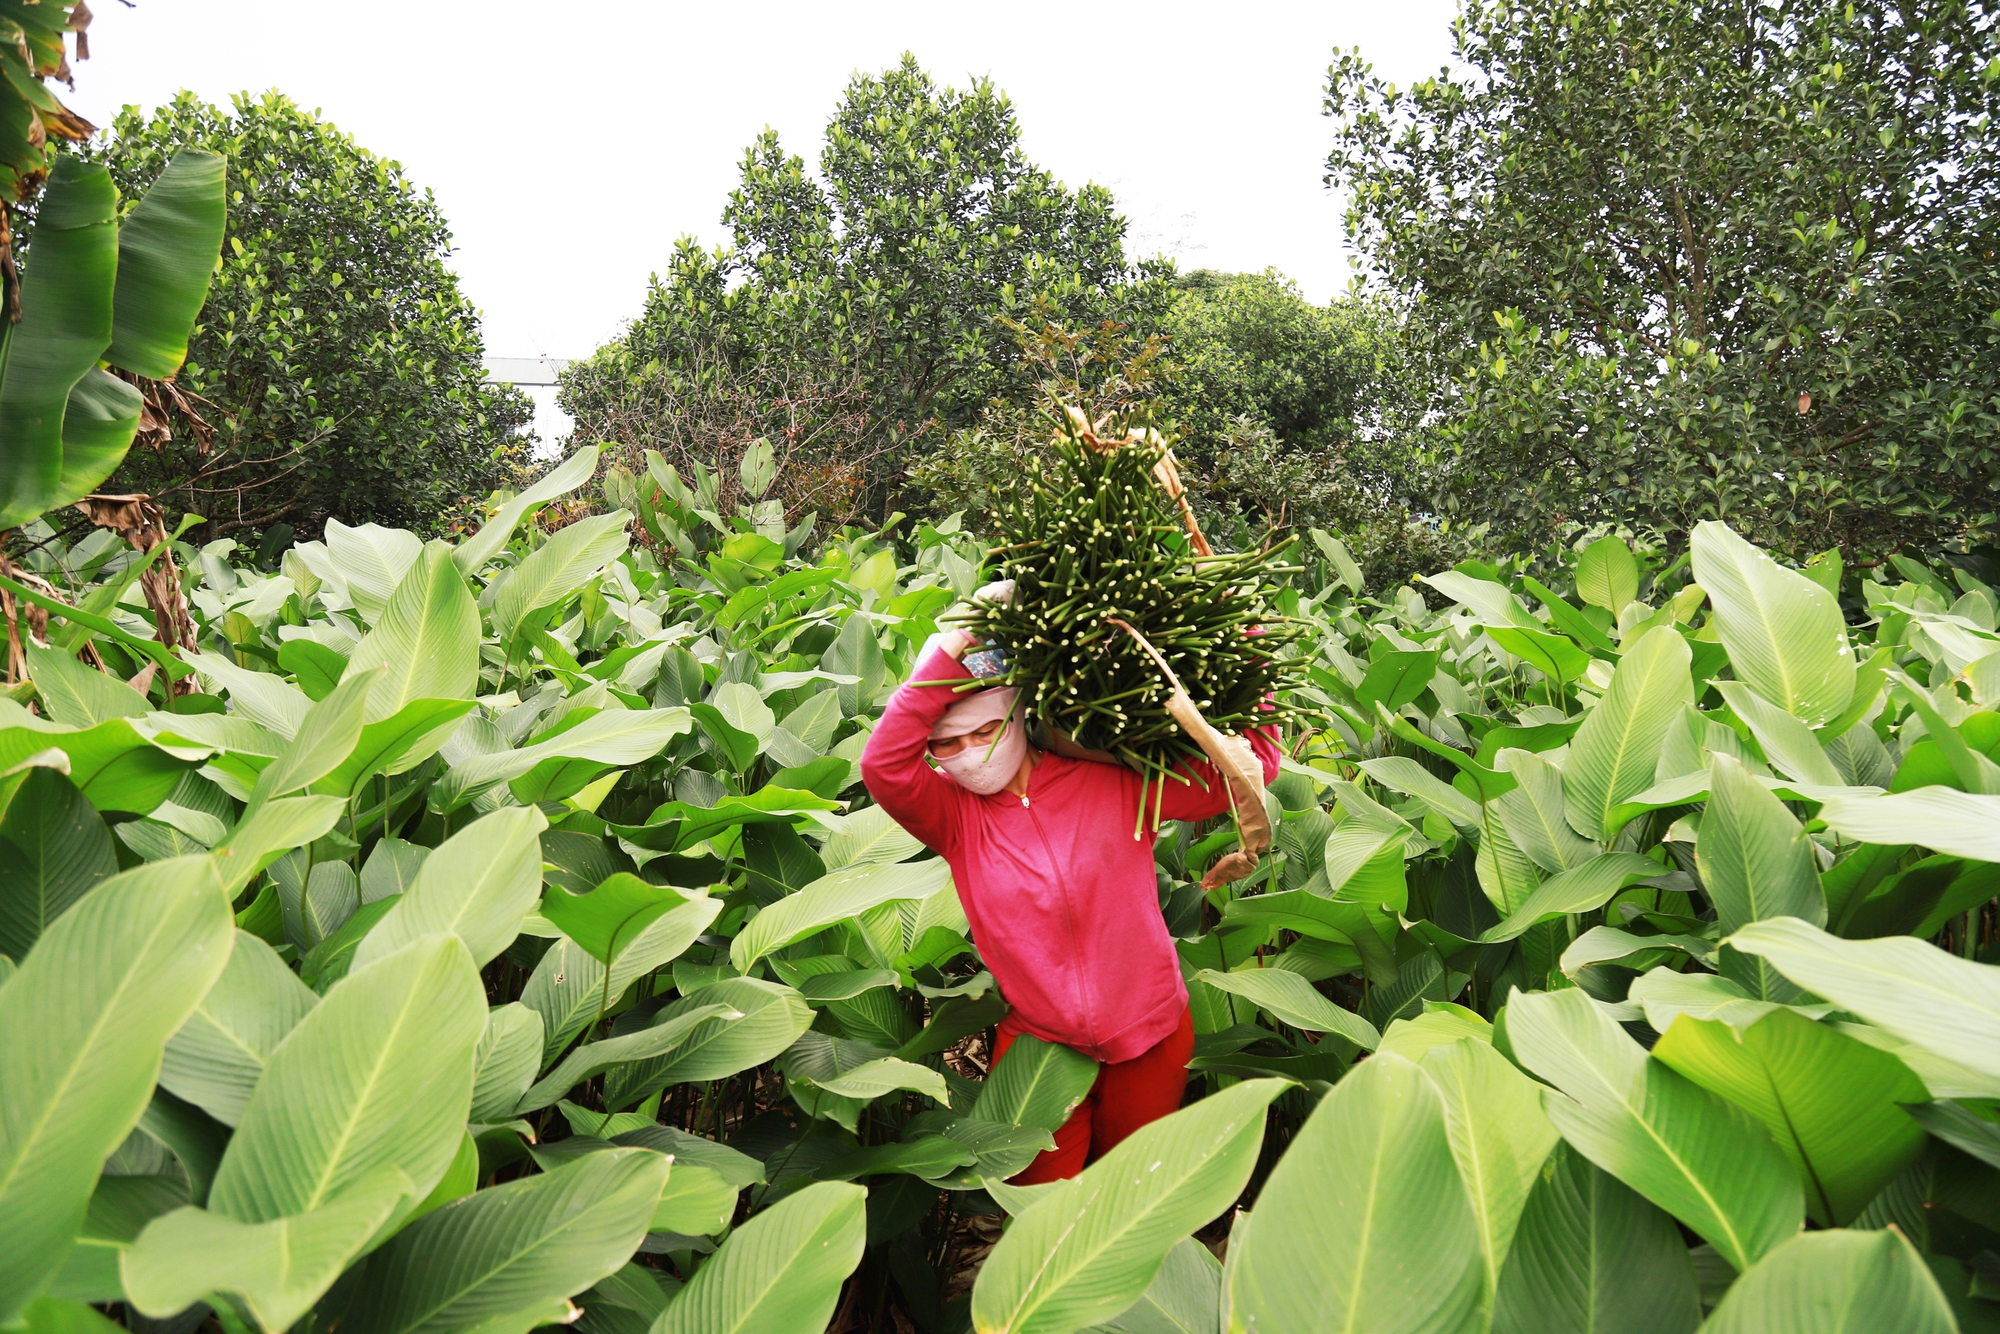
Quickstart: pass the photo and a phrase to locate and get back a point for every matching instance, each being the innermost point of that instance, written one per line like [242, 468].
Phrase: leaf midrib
[511, 1257]
[367, 1096]
[1131, 1221]
[132, 978]
[1715, 1210]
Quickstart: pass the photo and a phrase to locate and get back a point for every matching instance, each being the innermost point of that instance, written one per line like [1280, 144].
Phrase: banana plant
[104, 291]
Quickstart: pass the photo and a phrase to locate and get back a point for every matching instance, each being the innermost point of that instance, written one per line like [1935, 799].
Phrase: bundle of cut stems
[1095, 540]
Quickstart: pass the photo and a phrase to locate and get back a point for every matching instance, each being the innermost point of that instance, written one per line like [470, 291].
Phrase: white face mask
[986, 769]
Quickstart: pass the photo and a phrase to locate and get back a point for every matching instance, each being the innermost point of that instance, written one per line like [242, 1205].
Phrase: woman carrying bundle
[1060, 892]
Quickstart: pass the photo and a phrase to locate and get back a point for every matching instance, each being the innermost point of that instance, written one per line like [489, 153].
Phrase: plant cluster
[502, 935]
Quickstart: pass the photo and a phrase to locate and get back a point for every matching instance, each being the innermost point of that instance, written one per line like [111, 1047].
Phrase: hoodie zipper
[1069, 920]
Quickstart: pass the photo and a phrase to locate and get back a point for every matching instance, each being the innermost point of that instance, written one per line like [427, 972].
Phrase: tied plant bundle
[1116, 605]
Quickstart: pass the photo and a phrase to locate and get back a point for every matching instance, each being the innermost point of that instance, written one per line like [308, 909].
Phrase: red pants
[1126, 1096]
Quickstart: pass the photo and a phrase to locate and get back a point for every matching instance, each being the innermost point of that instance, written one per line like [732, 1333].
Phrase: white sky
[569, 144]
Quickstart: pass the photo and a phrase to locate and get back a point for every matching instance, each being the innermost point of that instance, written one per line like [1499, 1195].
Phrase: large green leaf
[1960, 823]
[277, 1268]
[677, 826]
[370, 561]
[568, 986]
[1617, 750]
[613, 738]
[1701, 1158]
[839, 895]
[696, 1203]
[65, 325]
[272, 831]
[1288, 996]
[1185, 1297]
[1755, 862]
[1961, 1127]
[167, 247]
[1406, 775]
[1592, 1256]
[1831, 1103]
[1606, 575]
[116, 765]
[261, 698]
[773, 1018]
[1532, 814]
[1786, 637]
[82, 1023]
[560, 566]
[1578, 889]
[79, 696]
[327, 735]
[1552, 655]
[655, 1040]
[53, 849]
[1364, 1224]
[99, 421]
[1035, 1084]
[560, 480]
[1087, 1249]
[1836, 1283]
[510, 1052]
[1489, 600]
[396, 744]
[120, 1208]
[427, 637]
[219, 1054]
[869, 837]
[478, 885]
[887, 1074]
[1396, 678]
[781, 1271]
[1928, 998]
[1787, 743]
[611, 916]
[1493, 1118]
[378, 1075]
[506, 1259]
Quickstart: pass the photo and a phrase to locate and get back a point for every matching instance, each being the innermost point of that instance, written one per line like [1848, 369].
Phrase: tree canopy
[337, 368]
[1688, 259]
[868, 289]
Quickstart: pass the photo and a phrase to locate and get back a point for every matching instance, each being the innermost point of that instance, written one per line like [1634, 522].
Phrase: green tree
[336, 370]
[1687, 259]
[1295, 413]
[886, 269]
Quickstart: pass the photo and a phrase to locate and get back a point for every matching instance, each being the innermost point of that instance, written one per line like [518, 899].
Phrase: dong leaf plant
[501, 936]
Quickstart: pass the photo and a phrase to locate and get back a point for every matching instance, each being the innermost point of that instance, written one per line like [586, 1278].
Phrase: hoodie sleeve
[893, 766]
[1204, 794]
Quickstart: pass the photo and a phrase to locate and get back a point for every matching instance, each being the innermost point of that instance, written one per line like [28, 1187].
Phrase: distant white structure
[526, 371]
[538, 378]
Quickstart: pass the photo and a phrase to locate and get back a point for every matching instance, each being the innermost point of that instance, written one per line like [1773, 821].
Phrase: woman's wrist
[955, 643]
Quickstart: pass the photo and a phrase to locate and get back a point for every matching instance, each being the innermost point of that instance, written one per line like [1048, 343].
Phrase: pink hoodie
[1062, 899]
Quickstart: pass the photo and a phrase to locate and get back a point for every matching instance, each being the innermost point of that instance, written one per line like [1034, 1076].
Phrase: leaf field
[501, 936]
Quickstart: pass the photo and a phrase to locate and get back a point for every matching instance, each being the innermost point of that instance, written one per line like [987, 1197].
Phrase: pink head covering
[977, 709]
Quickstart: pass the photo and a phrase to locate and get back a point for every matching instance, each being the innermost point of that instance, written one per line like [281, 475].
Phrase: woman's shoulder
[1094, 775]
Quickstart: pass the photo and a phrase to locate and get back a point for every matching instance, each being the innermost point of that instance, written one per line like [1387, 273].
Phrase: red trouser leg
[1126, 1096]
[1140, 1091]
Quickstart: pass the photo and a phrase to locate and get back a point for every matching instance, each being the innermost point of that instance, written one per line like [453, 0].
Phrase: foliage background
[1686, 260]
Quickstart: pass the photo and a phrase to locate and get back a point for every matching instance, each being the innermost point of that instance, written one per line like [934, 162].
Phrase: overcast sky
[570, 144]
